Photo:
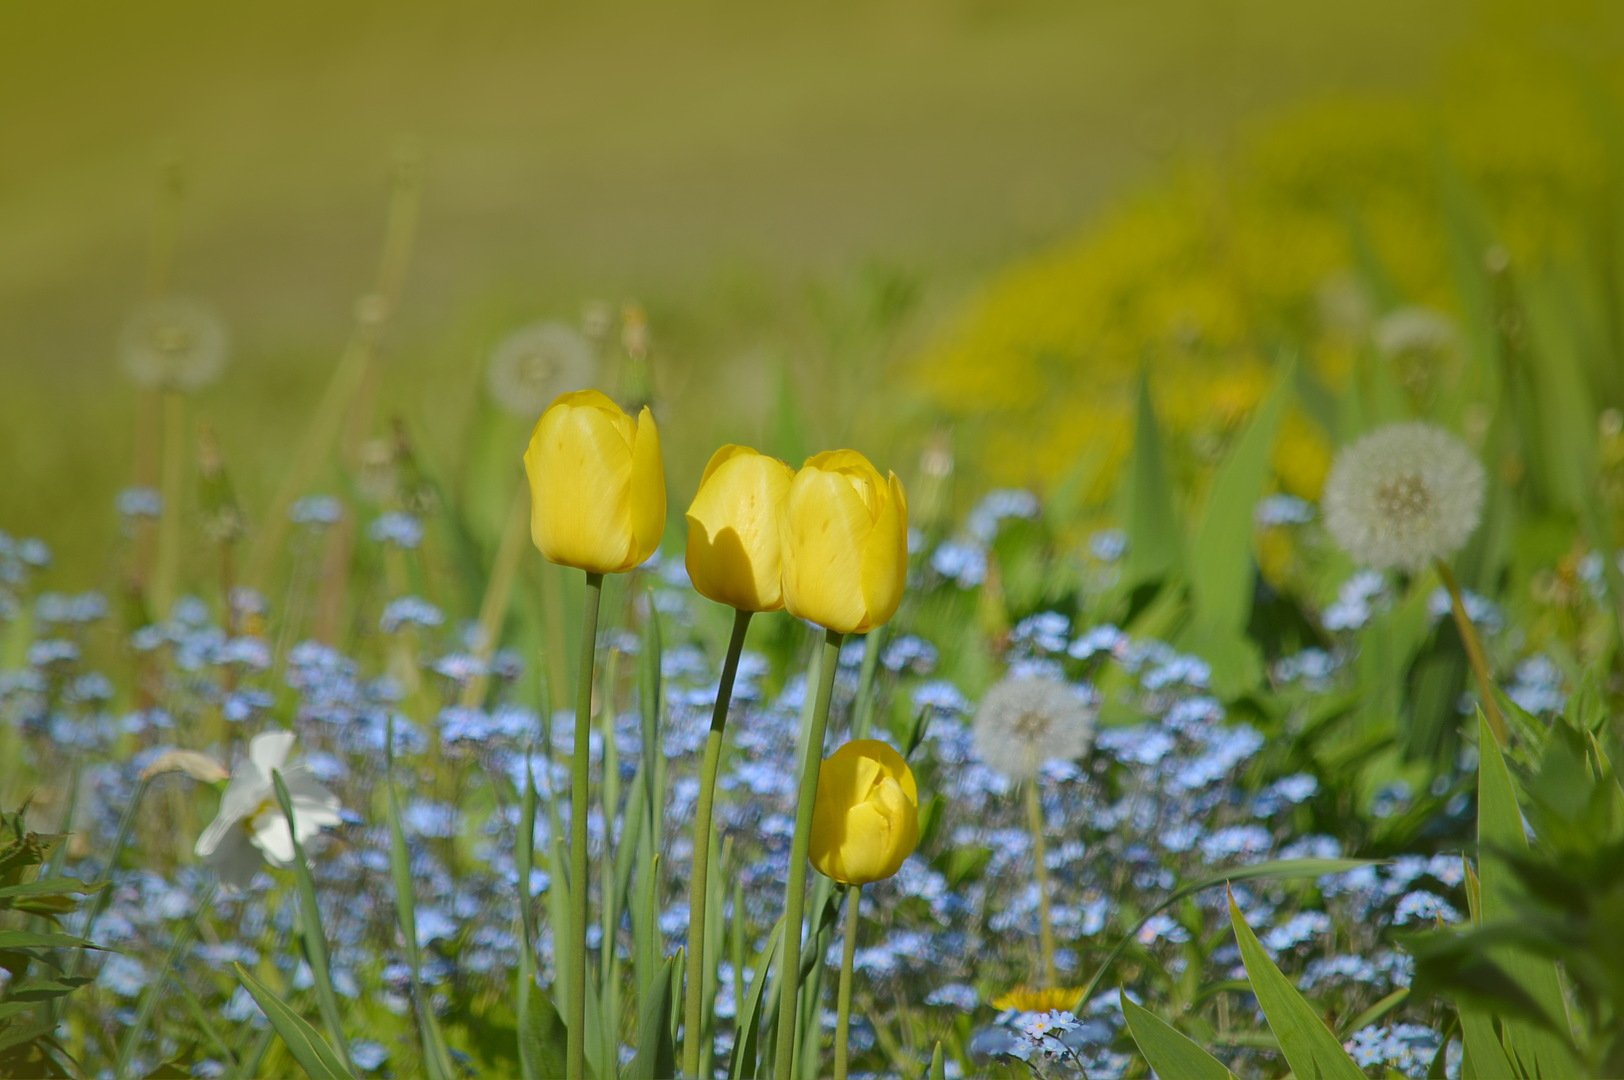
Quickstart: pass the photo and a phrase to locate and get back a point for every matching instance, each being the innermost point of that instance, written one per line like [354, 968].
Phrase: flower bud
[733, 551]
[597, 486]
[865, 821]
[845, 543]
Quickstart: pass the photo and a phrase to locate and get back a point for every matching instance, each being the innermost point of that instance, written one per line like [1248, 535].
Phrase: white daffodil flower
[250, 824]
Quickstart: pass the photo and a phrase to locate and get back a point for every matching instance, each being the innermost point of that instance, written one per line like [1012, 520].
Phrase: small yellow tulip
[597, 486]
[865, 820]
[733, 551]
[845, 543]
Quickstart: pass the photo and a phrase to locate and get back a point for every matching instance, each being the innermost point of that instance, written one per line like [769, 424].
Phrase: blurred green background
[798, 199]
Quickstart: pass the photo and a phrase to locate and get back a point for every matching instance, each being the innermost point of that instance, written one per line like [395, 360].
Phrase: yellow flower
[845, 543]
[733, 529]
[1039, 999]
[865, 820]
[597, 487]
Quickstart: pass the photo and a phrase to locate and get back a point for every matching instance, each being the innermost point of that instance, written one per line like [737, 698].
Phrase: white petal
[271, 836]
[236, 861]
[269, 750]
[312, 817]
[243, 795]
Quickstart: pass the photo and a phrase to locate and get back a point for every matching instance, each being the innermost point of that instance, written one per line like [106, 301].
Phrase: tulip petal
[885, 556]
[579, 463]
[825, 526]
[733, 554]
[647, 493]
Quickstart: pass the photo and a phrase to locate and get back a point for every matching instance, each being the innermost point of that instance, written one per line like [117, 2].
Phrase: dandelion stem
[493, 609]
[174, 478]
[795, 896]
[1040, 871]
[848, 954]
[576, 1023]
[1474, 654]
[699, 878]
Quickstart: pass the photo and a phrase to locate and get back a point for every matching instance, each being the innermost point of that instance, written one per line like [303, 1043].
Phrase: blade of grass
[1500, 828]
[435, 1055]
[311, 934]
[1169, 1052]
[1278, 869]
[303, 1041]
[1310, 1048]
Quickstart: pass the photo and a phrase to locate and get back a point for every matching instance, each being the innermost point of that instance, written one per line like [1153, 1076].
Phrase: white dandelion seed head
[1023, 722]
[1415, 331]
[1404, 495]
[176, 343]
[534, 365]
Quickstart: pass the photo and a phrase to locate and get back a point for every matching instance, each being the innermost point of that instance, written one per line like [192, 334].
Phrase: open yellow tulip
[845, 543]
[866, 818]
[733, 543]
[597, 485]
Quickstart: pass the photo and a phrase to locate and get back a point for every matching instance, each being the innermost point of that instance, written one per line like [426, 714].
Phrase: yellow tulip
[597, 487]
[865, 820]
[845, 543]
[733, 529]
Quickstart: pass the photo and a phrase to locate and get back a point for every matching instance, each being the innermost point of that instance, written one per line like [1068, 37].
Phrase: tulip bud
[865, 821]
[733, 529]
[845, 543]
[597, 487]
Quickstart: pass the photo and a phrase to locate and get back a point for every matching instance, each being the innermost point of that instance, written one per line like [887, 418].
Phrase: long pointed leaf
[303, 1041]
[1500, 829]
[1169, 1052]
[656, 1050]
[1310, 1048]
[1277, 869]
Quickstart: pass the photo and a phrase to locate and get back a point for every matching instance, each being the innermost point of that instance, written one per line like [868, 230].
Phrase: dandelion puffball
[1404, 495]
[1023, 722]
[175, 343]
[534, 365]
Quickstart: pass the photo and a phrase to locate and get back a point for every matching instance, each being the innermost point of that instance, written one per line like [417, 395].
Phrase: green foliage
[1168, 1052]
[1310, 1048]
[32, 951]
[313, 1053]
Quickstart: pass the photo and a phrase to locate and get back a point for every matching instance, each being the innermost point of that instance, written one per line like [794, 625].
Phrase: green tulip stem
[579, 770]
[1474, 655]
[699, 878]
[174, 480]
[848, 954]
[1040, 869]
[795, 896]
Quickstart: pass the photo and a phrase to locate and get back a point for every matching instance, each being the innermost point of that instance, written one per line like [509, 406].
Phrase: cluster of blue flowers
[1177, 787]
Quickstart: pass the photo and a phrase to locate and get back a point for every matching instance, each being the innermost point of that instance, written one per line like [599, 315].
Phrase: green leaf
[1169, 1052]
[938, 1064]
[1146, 501]
[11, 940]
[311, 934]
[748, 1024]
[1220, 555]
[435, 1055]
[1485, 1057]
[1311, 1050]
[303, 1041]
[1500, 829]
[656, 1049]
[543, 1042]
[51, 887]
[531, 1059]
[1276, 869]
